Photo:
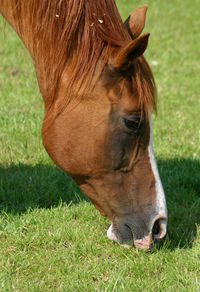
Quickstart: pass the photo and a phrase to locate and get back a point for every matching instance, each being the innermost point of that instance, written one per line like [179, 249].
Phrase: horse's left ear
[125, 56]
[136, 21]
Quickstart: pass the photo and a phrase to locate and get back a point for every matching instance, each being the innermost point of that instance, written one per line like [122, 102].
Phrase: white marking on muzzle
[161, 207]
[111, 234]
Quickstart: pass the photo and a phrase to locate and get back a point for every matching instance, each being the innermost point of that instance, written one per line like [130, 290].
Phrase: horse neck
[20, 15]
[19, 19]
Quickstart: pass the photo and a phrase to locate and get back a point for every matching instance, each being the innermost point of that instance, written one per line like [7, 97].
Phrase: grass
[51, 237]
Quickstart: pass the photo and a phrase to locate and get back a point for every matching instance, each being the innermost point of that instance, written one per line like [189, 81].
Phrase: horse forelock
[145, 86]
[77, 34]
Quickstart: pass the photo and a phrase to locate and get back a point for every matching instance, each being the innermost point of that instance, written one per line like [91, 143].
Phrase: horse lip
[145, 243]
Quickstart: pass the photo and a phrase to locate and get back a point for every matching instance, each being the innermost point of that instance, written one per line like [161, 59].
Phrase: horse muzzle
[127, 234]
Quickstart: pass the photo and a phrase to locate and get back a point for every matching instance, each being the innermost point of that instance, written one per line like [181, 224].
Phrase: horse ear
[136, 21]
[125, 56]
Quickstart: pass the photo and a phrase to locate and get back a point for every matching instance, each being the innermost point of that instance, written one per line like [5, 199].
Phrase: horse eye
[133, 123]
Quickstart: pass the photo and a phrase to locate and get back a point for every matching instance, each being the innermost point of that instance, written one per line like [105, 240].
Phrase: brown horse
[98, 93]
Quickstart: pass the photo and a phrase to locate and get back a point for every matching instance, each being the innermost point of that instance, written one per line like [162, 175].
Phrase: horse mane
[77, 34]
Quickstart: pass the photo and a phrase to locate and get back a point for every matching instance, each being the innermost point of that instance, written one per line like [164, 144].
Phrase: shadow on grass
[181, 181]
[42, 186]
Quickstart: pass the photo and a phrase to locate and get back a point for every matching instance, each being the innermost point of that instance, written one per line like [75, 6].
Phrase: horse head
[105, 143]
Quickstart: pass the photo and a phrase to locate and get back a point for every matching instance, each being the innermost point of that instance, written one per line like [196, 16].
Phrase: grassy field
[51, 237]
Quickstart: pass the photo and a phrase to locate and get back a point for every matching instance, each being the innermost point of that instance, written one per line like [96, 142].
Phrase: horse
[99, 94]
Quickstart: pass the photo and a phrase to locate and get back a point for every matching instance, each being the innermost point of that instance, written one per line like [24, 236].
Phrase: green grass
[51, 237]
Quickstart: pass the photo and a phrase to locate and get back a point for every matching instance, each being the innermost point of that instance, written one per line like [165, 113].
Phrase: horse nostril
[159, 228]
[156, 228]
